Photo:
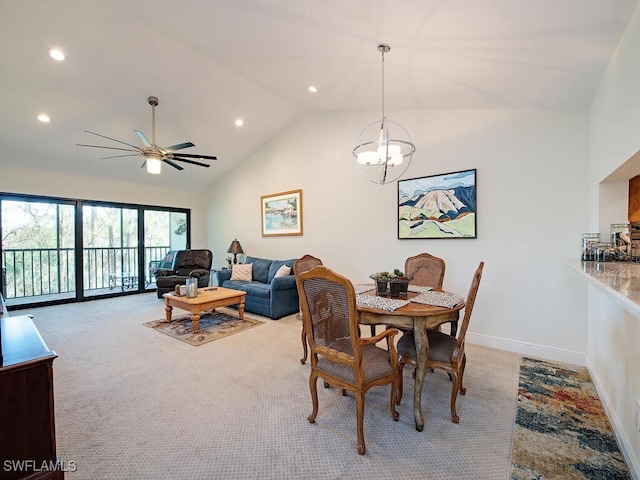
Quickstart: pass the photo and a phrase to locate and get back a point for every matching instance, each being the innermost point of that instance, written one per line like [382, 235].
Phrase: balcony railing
[33, 272]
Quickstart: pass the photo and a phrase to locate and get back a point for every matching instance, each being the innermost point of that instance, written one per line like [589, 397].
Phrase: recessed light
[239, 122]
[56, 54]
[312, 89]
[44, 118]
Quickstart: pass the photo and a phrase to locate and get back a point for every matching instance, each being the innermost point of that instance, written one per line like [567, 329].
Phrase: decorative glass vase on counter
[589, 243]
[621, 241]
[605, 252]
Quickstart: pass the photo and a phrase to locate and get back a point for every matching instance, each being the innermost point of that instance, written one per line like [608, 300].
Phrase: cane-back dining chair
[303, 264]
[425, 270]
[338, 354]
[445, 352]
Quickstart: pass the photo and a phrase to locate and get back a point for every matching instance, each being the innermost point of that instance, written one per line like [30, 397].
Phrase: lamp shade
[235, 247]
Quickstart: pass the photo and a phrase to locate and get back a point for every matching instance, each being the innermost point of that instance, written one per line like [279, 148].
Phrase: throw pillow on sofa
[283, 271]
[242, 272]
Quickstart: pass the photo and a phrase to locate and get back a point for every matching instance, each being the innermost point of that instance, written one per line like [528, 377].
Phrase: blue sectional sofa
[267, 295]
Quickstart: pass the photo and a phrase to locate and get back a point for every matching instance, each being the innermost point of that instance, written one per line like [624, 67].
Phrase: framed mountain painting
[438, 206]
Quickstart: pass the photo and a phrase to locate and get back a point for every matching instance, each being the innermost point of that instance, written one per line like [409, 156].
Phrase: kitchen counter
[619, 280]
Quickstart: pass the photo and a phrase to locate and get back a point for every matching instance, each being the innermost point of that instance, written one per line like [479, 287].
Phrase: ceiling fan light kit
[152, 154]
[384, 149]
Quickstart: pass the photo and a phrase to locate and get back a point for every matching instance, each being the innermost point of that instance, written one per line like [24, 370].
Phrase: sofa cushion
[283, 271]
[276, 265]
[260, 269]
[273, 268]
[253, 289]
[242, 272]
[257, 289]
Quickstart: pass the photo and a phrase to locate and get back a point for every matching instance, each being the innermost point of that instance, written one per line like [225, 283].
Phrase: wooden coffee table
[209, 298]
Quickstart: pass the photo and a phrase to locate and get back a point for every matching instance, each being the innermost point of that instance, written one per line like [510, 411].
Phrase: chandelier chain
[383, 83]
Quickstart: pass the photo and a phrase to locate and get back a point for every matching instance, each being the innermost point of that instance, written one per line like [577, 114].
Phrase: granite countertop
[620, 280]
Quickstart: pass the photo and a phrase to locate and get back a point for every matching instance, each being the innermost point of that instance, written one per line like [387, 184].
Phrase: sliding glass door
[164, 232]
[110, 249]
[38, 261]
[59, 250]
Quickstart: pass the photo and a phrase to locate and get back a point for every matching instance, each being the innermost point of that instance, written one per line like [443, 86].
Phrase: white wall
[613, 352]
[532, 189]
[32, 182]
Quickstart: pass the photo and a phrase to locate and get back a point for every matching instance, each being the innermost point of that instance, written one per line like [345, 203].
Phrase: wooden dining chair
[303, 264]
[445, 352]
[424, 270]
[338, 354]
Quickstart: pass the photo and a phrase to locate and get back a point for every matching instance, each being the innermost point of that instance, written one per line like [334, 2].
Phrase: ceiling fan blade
[109, 138]
[192, 162]
[201, 157]
[173, 164]
[120, 156]
[110, 148]
[142, 138]
[179, 146]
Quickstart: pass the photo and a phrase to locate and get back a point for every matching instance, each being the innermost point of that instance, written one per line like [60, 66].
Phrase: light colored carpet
[132, 404]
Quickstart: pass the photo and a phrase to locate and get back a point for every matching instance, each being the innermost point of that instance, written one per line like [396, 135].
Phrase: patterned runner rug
[212, 326]
[562, 431]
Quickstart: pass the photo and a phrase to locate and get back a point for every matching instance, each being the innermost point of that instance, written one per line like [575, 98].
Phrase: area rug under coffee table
[213, 325]
[562, 431]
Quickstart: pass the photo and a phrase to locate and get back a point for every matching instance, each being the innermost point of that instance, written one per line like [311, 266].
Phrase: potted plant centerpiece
[382, 281]
[398, 284]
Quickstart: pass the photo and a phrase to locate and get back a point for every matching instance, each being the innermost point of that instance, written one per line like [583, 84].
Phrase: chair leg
[304, 347]
[400, 369]
[461, 375]
[360, 421]
[454, 396]
[394, 392]
[373, 330]
[313, 386]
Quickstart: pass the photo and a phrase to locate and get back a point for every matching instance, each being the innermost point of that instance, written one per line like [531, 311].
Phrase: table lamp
[235, 248]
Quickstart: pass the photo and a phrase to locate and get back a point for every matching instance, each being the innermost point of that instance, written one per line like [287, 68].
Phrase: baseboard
[528, 349]
[623, 442]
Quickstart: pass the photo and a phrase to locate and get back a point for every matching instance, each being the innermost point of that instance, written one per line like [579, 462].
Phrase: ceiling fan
[152, 154]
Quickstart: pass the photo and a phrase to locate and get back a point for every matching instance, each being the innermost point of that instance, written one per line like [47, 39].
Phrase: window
[61, 250]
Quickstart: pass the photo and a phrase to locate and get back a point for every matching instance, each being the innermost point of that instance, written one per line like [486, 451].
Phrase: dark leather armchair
[186, 263]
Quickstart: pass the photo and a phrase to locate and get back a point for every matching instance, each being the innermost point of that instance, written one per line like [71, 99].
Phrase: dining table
[412, 312]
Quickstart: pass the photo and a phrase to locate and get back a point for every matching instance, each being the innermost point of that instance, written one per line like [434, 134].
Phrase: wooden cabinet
[27, 422]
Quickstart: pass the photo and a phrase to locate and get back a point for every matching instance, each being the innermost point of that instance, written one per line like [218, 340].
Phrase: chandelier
[384, 149]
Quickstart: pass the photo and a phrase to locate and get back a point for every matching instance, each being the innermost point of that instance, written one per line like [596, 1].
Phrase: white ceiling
[211, 61]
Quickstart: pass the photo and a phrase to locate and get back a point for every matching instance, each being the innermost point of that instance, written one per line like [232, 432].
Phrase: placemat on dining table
[383, 303]
[438, 299]
[419, 288]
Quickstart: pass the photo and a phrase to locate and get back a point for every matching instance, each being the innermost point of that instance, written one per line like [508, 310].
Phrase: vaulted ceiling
[212, 61]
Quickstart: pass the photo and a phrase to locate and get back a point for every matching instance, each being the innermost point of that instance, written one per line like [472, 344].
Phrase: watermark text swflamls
[31, 465]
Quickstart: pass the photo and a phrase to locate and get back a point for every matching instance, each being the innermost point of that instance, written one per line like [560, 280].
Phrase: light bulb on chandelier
[384, 149]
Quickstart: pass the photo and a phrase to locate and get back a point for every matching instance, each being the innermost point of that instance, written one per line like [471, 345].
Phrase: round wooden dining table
[420, 318]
